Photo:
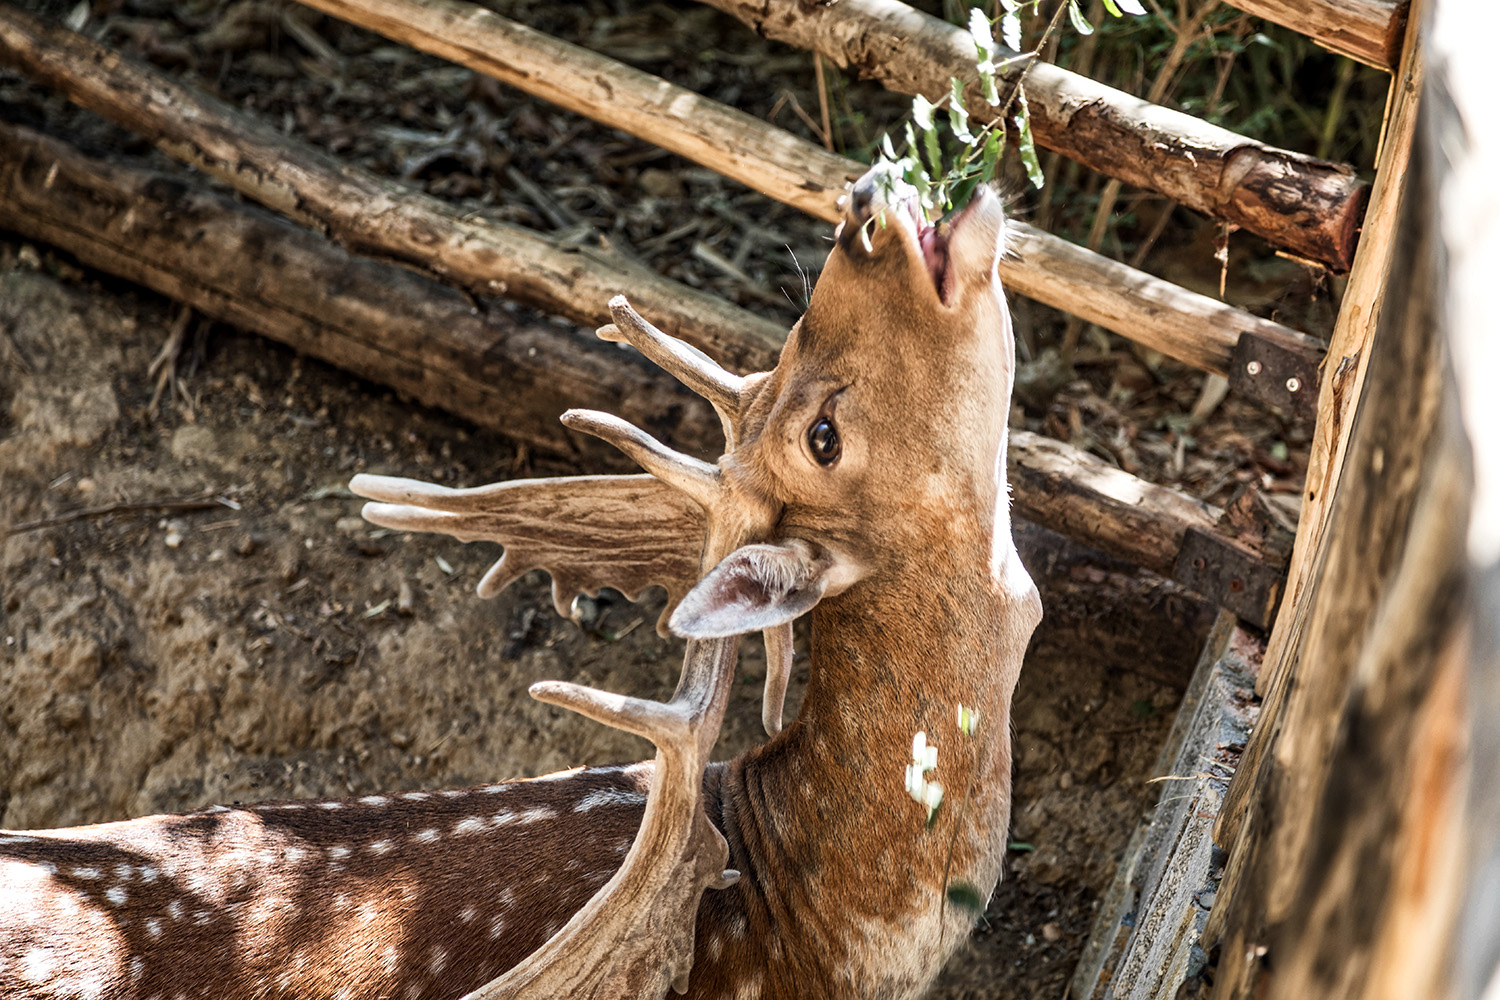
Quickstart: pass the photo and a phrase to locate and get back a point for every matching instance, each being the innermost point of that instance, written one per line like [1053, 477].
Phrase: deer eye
[823, 439]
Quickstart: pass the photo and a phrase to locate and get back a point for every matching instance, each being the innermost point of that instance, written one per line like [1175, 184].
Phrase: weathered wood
[1310, 206]
[1368, 30]
[1343, 380]
[1353, 819]
[369, 214]
[386, 322]
[1193, 328]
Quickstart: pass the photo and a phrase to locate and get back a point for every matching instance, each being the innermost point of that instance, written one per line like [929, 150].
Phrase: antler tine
[692, 476]
[663, 725]
[779, 650]
[682, 360]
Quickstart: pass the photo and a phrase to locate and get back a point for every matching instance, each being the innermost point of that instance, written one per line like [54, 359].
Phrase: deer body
[864, 482]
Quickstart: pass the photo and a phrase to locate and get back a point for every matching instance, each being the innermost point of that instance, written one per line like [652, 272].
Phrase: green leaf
[1020, 847]
[958, 115]
[1114, 11]
[964, 190]
[1010, 31]
[1130, 7]
[1025, 143]
[984, 39]
[1080, 23]
[887, 148]
[921, 112]
[966, 896]
[993, 144]
[933, 150]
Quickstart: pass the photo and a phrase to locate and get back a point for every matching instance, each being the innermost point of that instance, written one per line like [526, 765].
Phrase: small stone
[217, 555]
[86, 485]
[404, 598]
[401, 739]
[1065, 780]
[246, 545]
[173, 539]
[1051, 932]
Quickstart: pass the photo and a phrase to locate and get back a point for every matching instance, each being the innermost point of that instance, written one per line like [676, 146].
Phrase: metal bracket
[1284, 377]
[1234, 577]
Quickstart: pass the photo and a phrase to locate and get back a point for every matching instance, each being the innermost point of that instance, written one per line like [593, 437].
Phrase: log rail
[1195, 329]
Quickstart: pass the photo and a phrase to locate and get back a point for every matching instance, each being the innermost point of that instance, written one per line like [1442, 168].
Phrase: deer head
[879, 435]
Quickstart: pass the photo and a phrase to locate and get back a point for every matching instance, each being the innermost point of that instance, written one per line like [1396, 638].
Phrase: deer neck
[827, 799]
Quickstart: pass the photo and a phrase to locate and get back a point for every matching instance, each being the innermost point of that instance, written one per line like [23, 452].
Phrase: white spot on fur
[439, 959]
[426, 837]
[87, 872]
[561, 775]
[494, 789]
[293, 854]
[390, 959]
[174, 909]
[331, 805]
[153, 927]
[36, 966]
[137, 969]
[454, 793]
[124, 872]
[149, 874]
[609, 797]
[375, 800]
[367, 912]
[338, 851]
[471, 825]
[380, 847]
[537, 815]
[468, 915]
[115, 895]
[715, 947]
[496, 926]
[202, 918]
[413, 991]
[507, 899]
[416, 796]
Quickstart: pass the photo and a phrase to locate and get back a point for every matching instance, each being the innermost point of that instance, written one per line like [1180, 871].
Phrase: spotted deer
[863, 481]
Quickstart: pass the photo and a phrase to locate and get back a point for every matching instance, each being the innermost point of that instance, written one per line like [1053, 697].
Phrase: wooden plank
[369, 214]
[1343, 380]
[1310, 206]
[1193, 328]
[1368, 30]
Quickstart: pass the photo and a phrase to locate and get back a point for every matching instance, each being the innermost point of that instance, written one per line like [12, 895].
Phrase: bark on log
[383, 321]
[1368, 30]
[1193, 328]
[405, 329]
[369, 214]
[1310, 206]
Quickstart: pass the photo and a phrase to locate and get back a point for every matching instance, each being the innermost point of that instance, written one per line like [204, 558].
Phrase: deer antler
[635, 937]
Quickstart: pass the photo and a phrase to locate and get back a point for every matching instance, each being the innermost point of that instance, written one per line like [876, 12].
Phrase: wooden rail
[1310, 206]
[1193, 328]
[1368, 30]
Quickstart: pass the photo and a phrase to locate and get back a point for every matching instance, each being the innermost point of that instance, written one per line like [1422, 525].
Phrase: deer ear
[761, 586]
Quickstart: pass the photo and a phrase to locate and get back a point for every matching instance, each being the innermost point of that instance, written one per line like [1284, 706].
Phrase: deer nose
[862, 200]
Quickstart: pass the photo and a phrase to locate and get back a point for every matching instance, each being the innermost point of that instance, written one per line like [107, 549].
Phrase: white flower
[923, 759]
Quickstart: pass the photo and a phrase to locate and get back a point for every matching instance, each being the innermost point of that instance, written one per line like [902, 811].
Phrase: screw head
[1293, 384]
[1253, 368]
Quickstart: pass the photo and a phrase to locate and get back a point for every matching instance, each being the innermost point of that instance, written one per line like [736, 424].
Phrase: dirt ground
[235, 632]
[269, 643]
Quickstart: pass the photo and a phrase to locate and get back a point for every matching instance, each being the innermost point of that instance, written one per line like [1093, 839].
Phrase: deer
[862, 483]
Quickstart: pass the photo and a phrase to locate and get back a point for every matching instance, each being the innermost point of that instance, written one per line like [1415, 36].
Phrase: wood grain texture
[1310, 206]
[1196, 329]
[1368, 30]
